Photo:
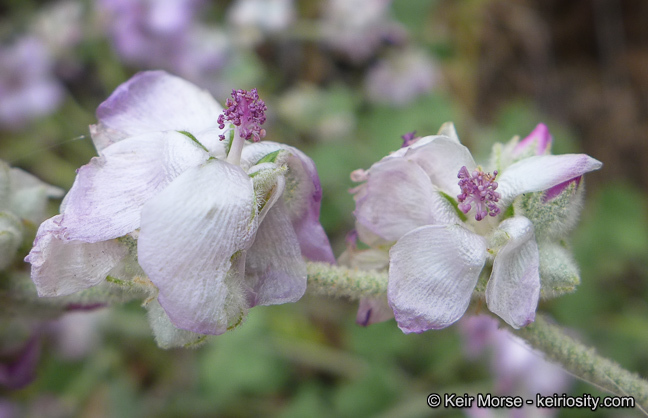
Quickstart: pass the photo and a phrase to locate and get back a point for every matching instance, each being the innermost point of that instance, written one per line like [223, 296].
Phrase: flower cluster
[167, 206]
[411, 203]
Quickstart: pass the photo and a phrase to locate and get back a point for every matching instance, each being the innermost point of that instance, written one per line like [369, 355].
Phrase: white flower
[221, 226]
[449, 217]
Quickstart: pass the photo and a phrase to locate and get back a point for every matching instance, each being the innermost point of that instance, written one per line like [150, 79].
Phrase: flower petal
[274, 267]
[542, 172]
[432, 275]
[537, 143]
[61, 267]
[189, 235]
[514, 286]
[154, 101]
[442, 159]
[302, 197]
[106, 199]
[399, 197]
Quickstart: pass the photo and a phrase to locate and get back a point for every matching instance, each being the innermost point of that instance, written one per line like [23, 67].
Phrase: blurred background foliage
[343, 81]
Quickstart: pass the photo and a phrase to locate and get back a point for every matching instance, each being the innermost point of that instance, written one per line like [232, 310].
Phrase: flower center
[247, 113]
[478, 189]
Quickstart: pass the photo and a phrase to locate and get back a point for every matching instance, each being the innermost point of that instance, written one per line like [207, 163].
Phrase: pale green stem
[327, 280]
[576, 358]
[234, 155]
[584, 362]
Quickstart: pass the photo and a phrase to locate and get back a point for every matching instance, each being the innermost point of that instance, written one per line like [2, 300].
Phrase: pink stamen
[247, 112]
[478, 189]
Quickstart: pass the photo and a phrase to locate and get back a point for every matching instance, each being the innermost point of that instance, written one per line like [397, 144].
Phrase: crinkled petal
[542, 172]
[441, 158]
[61, 267]
[106, 199]
[399, 197]
[303, 197]
[154, 101]
[274, 268]
[514, 286]
[373, 310]
[189, 234]
[432, 274]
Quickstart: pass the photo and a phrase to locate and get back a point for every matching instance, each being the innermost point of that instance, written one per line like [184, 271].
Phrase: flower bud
[553, 212]
[558, 271]
[538, 142]
[11, 236]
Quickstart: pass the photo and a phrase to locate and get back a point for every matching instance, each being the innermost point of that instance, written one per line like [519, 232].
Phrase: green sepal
[559, 272]
[11, 237]
[455, 205]
[264, 181]
[270, 158]
[193, 138]
[228, 139]
[165, 333]
[554, 219]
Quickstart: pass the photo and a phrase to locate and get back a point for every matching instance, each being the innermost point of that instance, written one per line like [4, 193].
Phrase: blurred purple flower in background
[401, 77]
[18, 366]
[167, 35]
[60, 26]
[149, 33]
[8, 409]
[517, 368]
[28, 88]
[77, 333]
[356, 28]
[256, 18]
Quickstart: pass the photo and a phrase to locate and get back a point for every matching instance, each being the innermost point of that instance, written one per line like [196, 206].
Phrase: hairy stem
[327, 280]
[573, 356]
[583, 362]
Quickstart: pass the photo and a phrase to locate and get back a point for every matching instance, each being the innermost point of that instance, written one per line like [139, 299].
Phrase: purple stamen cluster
[247, 112]
[478, 189]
